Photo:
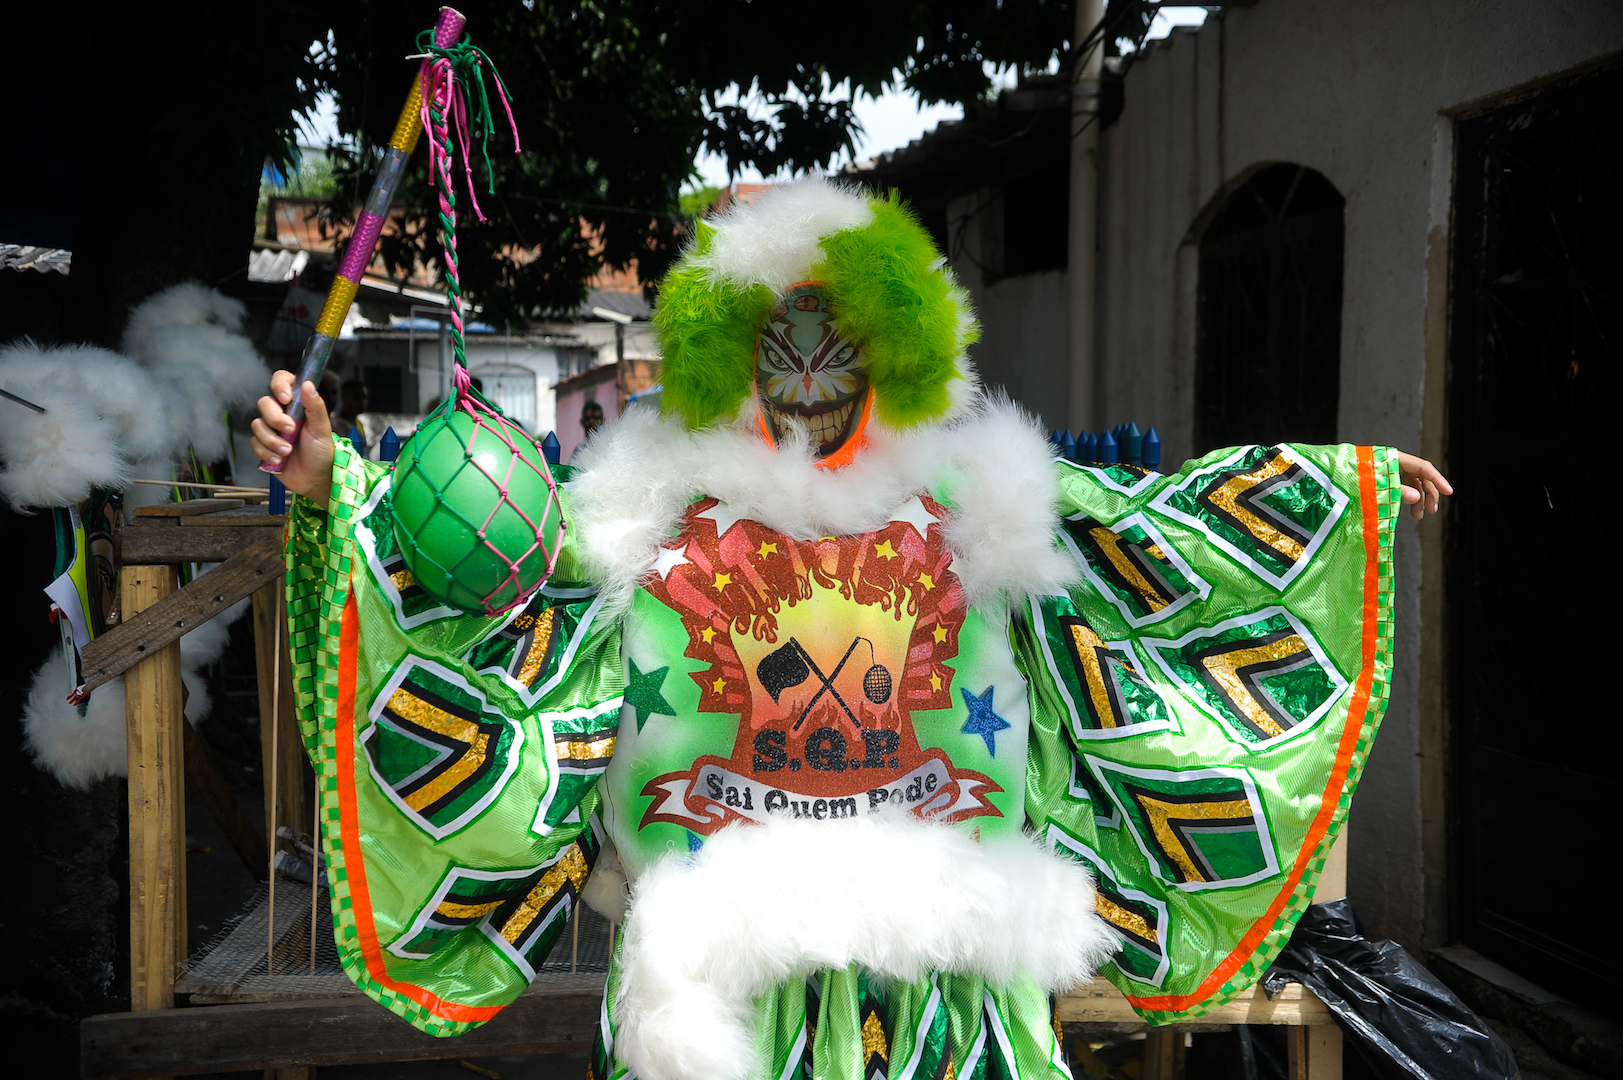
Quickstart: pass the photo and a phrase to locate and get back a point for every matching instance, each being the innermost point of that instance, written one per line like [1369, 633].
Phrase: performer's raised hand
[306, 464]
[1423, 485]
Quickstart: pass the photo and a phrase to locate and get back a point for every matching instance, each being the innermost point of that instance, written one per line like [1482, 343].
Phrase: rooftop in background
[742, 192]
[44, 260]
[1021, 132]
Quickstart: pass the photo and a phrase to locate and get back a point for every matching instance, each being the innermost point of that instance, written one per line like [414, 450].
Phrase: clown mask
[808, 374]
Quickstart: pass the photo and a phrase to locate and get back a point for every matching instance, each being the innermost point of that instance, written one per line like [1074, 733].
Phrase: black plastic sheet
[1403, 1022]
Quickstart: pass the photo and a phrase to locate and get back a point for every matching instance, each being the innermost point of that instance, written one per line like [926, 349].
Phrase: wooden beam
[187, 508]
[1313, 1053]
[559, 1016]
[157, 802]
[255, 520]
[1101, 1003]
[1333, 879]
[139, 635]
[157, 544]
[1164, 1053]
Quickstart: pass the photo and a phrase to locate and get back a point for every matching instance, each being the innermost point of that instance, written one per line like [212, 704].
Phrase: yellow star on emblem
[940, 634]
[935, 680]
[708, 633]
[718, 685]
[884, 551]
[722, 581]
[766, 549]
[927, 581]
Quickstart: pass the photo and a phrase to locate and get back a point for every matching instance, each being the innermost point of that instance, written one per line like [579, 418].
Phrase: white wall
[485, 354]
[1358, 92]
[641, 344]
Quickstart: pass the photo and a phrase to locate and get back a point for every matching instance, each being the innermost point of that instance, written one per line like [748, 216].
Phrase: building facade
[1378, 223]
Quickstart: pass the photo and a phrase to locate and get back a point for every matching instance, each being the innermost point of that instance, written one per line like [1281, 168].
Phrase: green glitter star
[643, 693]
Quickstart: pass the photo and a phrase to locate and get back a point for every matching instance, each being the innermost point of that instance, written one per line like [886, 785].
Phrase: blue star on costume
[982, 720]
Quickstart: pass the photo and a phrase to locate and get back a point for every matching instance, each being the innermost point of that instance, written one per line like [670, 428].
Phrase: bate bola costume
[857, 683]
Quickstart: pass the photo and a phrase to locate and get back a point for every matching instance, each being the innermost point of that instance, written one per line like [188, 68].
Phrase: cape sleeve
[456, 759]
[1204, 699]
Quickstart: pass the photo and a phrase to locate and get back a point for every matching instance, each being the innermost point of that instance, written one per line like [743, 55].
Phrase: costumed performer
[895, 724]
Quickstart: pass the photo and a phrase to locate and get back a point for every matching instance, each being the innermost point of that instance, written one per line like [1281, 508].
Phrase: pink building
[599, 385]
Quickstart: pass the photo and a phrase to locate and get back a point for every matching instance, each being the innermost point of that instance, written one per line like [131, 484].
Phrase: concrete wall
[1363, 93]
[1022, 349]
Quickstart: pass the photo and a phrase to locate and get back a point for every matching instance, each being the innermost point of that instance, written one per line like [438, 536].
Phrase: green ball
[444, 500]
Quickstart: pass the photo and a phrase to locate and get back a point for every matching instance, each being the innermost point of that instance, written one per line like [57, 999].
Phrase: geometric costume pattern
[1189, 721]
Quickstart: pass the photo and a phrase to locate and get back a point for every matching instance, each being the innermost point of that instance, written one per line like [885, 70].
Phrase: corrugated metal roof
[272, 264]
[43, 259]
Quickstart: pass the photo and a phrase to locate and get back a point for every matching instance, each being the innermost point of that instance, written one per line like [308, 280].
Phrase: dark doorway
[1537, 298]
[1268, 355]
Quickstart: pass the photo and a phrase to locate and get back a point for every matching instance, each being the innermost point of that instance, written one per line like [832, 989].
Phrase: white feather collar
[991, 466]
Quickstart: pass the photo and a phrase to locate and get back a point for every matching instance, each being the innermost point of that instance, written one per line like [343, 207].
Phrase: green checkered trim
[1388, 500]
[320, 554]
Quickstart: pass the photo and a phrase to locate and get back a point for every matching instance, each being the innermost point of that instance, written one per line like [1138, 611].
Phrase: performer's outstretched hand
[1423, 485]
[307, 467]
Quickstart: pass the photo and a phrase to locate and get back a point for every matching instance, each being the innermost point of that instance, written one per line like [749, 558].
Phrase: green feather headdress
[892, 291]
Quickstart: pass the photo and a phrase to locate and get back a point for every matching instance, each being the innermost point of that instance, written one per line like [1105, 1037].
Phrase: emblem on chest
[824, 649]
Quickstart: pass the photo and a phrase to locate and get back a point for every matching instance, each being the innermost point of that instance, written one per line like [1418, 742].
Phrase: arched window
[1268, 351]
[512, 388]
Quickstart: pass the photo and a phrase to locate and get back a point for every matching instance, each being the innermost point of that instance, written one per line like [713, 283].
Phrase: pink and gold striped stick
[358, 252]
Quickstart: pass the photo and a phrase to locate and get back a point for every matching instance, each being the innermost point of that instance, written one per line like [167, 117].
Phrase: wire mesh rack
[248, 961]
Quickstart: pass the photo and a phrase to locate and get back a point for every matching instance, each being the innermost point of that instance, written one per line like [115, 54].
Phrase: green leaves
[616, 98]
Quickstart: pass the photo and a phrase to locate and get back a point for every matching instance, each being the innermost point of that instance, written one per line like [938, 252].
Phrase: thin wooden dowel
[275, 786]
[574, 948]
[315, 872]
[206, 487]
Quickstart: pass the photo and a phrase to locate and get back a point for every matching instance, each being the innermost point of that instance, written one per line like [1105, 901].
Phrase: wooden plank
[1101, 1003]
[157, 802]
[146, 544]
[284, 803]
[138, 636]
[1313, 1053]
[1333, 878]
[187, 507]
[555, 1017]
[1164, 1053]
[235, 520]
[204, 776]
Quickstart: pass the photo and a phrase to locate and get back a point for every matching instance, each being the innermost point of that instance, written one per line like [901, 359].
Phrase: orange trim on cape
[350, 835]
[1338, 774]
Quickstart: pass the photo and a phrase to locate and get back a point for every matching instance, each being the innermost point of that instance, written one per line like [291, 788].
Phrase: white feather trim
[605, 891]
[57, 458]
[108, 418]
[994, 465]
[157, 468]
[111, 385]
[80, 750]
[77, 750]
[758, 906]
[224, 362]
[187, 304]
[773, 241]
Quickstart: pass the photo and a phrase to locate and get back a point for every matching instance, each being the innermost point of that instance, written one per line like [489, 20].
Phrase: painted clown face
[807, 373]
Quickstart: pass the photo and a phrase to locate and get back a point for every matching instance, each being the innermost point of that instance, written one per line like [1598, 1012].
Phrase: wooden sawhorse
[164, 751]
